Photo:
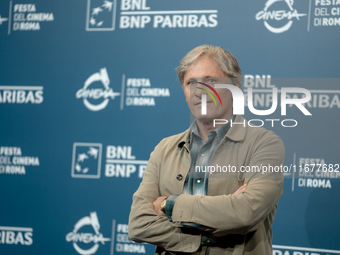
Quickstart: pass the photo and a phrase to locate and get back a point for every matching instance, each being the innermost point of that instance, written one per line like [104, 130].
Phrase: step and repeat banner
[88, 88]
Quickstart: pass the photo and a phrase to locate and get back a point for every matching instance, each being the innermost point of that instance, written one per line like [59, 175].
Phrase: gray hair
[224, 59]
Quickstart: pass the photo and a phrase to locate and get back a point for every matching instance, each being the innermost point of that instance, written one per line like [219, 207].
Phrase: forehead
[204, 67]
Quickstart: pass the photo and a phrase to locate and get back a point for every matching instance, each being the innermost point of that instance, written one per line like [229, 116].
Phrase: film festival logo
[100, 15]
[239, 102]
[2, 20]
[274, 16]
[91, 96]
[86, 160]
[87, 243]
[25, 17]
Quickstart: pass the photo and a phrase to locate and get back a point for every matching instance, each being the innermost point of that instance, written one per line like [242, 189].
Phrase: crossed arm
[237, 213]
[157, 203]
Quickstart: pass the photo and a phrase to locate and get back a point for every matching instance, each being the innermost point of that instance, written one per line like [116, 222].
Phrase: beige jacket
[245, 220]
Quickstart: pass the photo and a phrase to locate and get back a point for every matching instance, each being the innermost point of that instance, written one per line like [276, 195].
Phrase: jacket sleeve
[243, 213]
[145, 225]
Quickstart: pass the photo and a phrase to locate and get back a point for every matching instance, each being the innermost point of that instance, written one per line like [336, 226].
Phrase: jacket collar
[235, 133]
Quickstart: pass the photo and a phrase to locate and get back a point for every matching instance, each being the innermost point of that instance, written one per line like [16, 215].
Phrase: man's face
[206, 69]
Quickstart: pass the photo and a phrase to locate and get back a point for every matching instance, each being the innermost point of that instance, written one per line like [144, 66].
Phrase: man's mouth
[199, 103]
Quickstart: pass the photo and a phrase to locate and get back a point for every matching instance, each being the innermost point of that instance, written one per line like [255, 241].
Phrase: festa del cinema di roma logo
[103, 95]
[270, 16]
[238, 102]
[79, 237]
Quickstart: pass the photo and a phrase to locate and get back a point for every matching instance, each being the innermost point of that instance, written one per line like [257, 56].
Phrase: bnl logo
[86, 160]
[100, 15]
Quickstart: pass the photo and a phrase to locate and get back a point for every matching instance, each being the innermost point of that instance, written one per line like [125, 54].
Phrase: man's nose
[198, 90]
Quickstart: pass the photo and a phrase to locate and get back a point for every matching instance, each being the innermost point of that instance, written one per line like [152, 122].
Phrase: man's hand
[240, 189]
[157, 205]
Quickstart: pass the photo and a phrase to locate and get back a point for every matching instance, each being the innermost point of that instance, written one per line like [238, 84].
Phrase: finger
[243, 187]
[240, 189]
[239, 192]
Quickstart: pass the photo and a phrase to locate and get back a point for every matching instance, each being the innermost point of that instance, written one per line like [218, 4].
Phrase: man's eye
[211, 80]
[192, 82]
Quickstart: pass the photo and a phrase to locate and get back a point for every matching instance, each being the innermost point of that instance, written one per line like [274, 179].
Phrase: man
[184, 209]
